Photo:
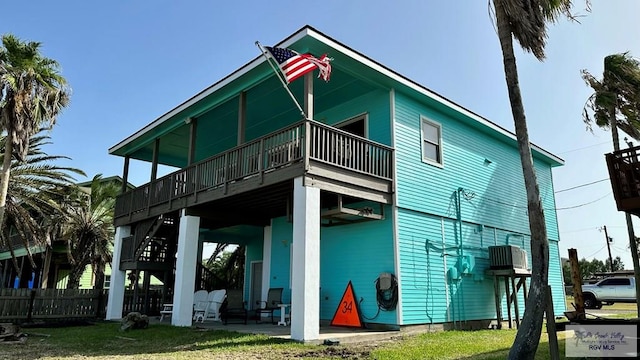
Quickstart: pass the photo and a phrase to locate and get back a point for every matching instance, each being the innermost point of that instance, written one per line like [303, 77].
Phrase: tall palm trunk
[99, 273]
[74, 277]
[4, 178]
[614, 128]
[526, 342]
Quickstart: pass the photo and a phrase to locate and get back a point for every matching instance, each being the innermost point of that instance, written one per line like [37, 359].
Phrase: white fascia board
[206, 92]
[423, 90]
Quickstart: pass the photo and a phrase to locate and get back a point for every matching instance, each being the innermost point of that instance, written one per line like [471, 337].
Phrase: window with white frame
[431, 133]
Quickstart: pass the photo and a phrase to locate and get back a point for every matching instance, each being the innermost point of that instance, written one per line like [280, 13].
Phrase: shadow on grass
[105, 339]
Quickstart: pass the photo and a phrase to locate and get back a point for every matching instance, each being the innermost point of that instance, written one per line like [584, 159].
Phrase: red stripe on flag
[296, 67]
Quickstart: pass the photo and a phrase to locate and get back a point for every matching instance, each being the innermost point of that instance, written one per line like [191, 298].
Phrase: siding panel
[486, 169]
[357, 252]
[448, 216]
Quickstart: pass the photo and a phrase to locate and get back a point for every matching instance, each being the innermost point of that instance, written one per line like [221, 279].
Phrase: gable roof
[308, 31]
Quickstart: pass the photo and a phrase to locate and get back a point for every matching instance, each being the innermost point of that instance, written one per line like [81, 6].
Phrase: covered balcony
[251, 183]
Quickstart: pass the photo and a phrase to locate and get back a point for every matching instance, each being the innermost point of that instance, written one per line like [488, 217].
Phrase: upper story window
[431, 133]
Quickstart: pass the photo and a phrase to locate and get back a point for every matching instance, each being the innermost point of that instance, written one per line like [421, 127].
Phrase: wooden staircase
[152, 246]
[151, 249]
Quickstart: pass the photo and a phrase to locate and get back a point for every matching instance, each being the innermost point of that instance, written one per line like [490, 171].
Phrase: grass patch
[626, 310]
[483, 344]
[104, 341]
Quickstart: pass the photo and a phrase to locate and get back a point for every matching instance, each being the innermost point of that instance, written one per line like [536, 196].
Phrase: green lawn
[105, 341]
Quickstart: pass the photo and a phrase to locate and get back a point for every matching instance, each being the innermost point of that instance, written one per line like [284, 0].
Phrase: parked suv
[609, 291]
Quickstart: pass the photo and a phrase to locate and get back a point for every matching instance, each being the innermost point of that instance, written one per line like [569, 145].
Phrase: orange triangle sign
[347, 314]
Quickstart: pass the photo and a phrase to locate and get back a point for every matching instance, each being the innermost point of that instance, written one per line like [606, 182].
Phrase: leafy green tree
[588, 269]
[615, 104]
[566, 274]
[88, 230]
[227, 267]
[618, 265]
[35, 189]
[32, 94]
[526, 21]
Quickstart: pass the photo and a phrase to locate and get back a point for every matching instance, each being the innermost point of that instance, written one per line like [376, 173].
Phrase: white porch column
[188, 237]
[305, 277]
[116, 288]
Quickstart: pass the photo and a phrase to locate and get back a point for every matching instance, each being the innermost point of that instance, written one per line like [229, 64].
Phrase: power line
[602, 248]
[582, 185]
[620, 249]
[580, 230]
[548, 209]
[585, 204]
[583, 148]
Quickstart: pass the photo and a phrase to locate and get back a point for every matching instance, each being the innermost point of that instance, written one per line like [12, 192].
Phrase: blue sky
[128, 62]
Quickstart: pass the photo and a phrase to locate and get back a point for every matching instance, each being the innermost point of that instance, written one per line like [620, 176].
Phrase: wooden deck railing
[280, 148]
[348, 151]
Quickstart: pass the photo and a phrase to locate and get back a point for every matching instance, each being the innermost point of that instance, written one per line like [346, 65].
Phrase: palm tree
[615, 104]
[227, 266]
[32, 94]
[34, 191]
[616, 96]
[526, 21]
[89, 230]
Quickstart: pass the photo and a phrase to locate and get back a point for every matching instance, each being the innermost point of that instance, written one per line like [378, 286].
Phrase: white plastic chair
[215, 300]
[167, 310]
[200, 304]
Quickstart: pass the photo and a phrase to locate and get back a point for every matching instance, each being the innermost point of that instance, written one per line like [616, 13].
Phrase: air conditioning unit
[507, 257]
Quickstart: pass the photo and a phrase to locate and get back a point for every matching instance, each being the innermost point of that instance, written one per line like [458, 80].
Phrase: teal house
[374, 180]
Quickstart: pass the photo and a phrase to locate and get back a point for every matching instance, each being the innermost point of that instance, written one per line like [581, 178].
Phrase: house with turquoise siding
[375, 181]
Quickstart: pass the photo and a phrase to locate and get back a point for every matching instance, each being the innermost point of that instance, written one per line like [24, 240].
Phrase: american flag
[294, 65]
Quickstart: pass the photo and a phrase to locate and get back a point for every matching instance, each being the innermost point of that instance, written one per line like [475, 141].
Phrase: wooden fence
[57, 304]
[48, 304]
[149, 304]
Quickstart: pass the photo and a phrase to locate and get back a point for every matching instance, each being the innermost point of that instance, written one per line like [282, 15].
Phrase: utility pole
[607, 239]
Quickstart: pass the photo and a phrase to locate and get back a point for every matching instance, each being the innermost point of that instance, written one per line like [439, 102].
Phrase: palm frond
[528, 21]
[34, 93]
[618, 91]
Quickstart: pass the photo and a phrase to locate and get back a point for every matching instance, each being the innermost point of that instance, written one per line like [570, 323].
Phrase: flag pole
[284, 84]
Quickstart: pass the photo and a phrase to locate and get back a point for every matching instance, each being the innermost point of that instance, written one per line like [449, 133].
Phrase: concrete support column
[266, 263]
[118, 277]
[305, 277]
[188, 238]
